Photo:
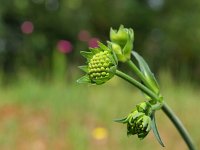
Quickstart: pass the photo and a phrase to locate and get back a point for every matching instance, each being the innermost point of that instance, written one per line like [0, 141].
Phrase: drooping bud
[139, 120]
[140, 125]
[101, 66]
[122, 42]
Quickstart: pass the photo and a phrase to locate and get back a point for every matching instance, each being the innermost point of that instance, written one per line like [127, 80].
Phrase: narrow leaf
[139, 114]
[143, 65]
[84, 68]
[95, 50]
[121, 120]
[146, 71]
[84, 79]
[87, 55]
[155, 130]
[99, 81]
[114, 54]
[113, 69]
[103, 47]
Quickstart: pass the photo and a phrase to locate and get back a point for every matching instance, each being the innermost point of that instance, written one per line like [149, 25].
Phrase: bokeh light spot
[100, 133]
[84, 35]
[93, 42]
[64, 46]
[27, 27]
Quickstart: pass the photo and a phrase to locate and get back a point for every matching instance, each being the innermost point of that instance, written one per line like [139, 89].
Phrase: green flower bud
[122, 42]
[101, 65]
[139, 124]
[144, 107]
[139, 120]
[99, 73]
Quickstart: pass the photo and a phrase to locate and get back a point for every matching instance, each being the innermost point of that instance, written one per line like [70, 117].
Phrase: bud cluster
[121, 41]
[99, 65]
[139, 120]
[139, 125]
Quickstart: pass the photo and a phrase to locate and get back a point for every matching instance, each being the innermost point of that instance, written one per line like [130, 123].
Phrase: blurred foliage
[167, 32]
[57, 116]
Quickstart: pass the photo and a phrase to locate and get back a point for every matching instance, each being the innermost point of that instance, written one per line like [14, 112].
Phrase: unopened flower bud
[101, 65]
[139, 124]
[124, 39]
[139, 120]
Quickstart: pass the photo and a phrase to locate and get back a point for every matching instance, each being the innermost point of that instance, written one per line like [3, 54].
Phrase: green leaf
[146, 72]
[138, 114]
[95, 50]
[112, 70]
[121, 120]
[87, 55]
[128, 47]
[99, 81]
[84, 68]
[84, 79]
[103, 47]
[112, 59]
[155, 130]
[115, 57]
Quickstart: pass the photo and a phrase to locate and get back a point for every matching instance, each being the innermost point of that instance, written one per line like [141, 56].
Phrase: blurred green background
[42, 107]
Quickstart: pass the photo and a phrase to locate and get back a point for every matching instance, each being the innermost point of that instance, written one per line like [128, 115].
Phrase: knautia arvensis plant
[139, 120]
[121, 42]
[102, 65]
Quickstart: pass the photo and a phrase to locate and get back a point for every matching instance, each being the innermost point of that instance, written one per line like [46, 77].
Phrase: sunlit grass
[65, 116]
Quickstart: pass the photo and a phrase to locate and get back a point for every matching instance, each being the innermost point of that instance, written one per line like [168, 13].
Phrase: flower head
[139, 124]
[101, 65]
[139, 120]
[122, 42]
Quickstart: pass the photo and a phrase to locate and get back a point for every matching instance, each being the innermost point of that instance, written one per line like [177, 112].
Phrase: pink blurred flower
[84, 35]
[93, 42]
[64, 46]
[27, 27]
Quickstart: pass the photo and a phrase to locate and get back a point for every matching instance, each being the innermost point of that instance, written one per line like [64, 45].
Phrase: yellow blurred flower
[100, 133]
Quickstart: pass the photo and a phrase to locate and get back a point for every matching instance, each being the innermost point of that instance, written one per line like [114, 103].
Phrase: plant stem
[139, 74]
[179, 126]
[175, 120]
[137, 84]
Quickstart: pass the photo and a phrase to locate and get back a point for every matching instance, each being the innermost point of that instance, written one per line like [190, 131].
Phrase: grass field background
[62, 115]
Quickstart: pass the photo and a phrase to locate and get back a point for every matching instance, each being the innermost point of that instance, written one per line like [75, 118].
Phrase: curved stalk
[138, 73]
[175, 120]
[179, 126]
[137, 84]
